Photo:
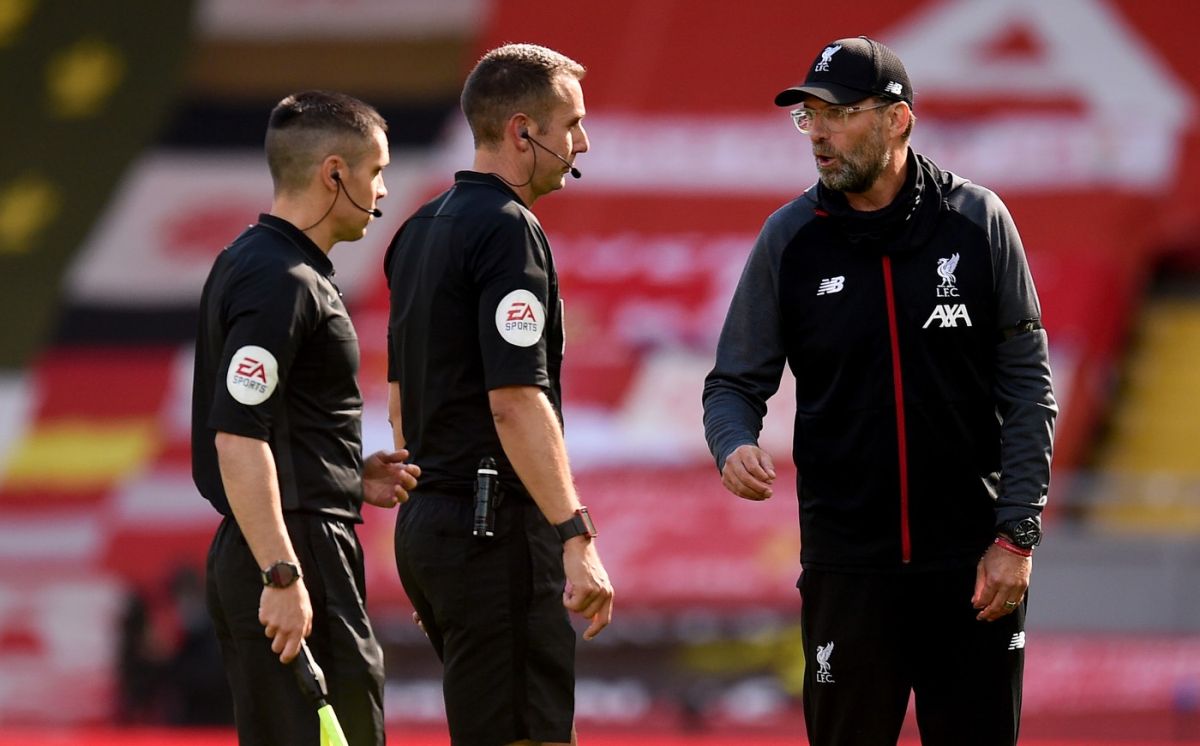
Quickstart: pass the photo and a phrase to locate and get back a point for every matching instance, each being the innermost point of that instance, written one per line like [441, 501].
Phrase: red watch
[580, 524]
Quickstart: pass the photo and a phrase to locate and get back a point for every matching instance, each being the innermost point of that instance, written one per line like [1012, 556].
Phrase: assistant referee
[276, 433]
[475, 350]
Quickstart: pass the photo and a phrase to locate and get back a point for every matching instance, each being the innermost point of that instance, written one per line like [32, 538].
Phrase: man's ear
[518, 129]
[900, 117]
[332, 168]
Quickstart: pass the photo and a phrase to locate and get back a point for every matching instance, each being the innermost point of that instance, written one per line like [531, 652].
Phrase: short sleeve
[267, 311]
[511, 268]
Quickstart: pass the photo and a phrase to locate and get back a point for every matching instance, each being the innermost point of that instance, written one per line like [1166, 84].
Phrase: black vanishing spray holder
[487, 493]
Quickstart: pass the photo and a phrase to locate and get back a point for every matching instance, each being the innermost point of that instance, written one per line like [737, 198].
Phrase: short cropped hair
[306, 127]
[510, 79]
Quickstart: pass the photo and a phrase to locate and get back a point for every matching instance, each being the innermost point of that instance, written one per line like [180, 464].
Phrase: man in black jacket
[899, 296]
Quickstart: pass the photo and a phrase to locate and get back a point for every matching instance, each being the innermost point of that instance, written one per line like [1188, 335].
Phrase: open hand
[387, 479]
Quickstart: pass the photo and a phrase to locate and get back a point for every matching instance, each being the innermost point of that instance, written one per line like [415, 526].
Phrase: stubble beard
[859, 167]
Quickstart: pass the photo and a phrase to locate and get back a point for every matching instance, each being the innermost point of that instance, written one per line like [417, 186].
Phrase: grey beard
[859, 169]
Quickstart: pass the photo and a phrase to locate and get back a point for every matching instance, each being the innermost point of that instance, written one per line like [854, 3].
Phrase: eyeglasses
[835, 117]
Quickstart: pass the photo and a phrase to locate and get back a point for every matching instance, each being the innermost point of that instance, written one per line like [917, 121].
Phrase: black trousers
[871, 639]
[268, 705]
[492, 608]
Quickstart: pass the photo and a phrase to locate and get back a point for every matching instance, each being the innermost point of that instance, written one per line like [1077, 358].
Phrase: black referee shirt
[276, 360]
[475, 307]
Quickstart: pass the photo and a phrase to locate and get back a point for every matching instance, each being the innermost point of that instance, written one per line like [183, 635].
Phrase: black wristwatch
[1026, 533]
[579, 524]
[281, 574]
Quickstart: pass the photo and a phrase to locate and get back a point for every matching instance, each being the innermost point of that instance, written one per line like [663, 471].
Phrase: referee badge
[253, 375]
[520, 318]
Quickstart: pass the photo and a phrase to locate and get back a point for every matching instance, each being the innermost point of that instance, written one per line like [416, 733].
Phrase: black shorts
[268, 704]
[871, 639]
[492, 608]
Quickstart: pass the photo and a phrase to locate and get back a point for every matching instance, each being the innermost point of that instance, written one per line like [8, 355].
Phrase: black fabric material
[977, 415]
[845, 439]
[492, 608]
[892, 636]
[848, 70]
[450, 268]
[903, 226]
[270, 708]
[272, 289]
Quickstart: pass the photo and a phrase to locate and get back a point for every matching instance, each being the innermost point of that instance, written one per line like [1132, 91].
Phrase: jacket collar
[898, 228]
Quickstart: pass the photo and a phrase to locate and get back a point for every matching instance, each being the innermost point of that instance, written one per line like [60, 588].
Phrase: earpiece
[574, 171]
[337, 178]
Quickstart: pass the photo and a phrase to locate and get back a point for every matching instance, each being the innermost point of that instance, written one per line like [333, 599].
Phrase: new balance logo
[831, 285]
[948, 315]
[1017, 642]
[894, 88]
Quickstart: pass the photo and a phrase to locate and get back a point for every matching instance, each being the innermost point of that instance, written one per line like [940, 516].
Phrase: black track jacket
[924, 410]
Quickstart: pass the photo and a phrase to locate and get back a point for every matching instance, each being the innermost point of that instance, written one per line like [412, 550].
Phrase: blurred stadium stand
[131, 158]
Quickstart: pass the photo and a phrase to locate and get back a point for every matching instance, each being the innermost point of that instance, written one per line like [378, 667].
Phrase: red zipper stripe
[901, 439]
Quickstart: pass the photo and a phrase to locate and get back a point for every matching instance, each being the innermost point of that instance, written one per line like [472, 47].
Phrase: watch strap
[579, 524]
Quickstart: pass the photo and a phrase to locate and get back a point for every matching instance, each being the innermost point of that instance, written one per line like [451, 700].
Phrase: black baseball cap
[849, 70]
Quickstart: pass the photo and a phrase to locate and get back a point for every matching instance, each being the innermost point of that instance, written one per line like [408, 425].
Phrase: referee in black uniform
[475, 350]
[276, 433]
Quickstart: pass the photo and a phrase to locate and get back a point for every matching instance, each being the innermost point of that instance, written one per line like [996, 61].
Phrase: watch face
[587, 521]
[1026, 533]
[281, 574]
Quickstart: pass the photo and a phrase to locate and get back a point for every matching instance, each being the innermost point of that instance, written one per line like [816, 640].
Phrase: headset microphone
[574, 171]
[373, 211]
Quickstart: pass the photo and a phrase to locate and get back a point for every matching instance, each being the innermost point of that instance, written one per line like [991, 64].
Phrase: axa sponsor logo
[945, 270]
[948, 315]
[831, 285]
[824, 667]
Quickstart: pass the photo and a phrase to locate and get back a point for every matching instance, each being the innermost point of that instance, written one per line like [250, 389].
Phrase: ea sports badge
[252, 376]
[520, 318]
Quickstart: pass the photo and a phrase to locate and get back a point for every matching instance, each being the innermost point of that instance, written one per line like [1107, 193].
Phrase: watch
[580, 524]
[281, 574]
[1026, 533]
